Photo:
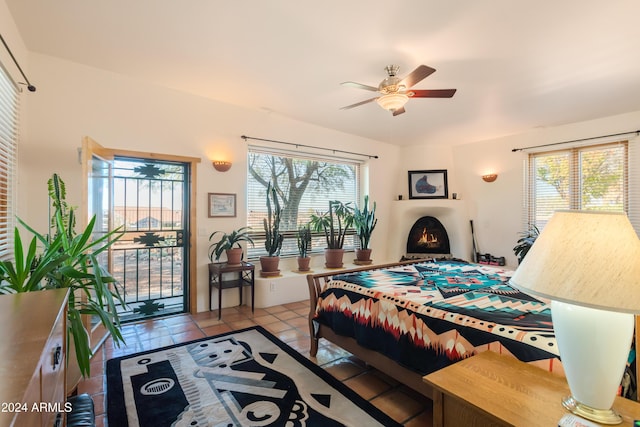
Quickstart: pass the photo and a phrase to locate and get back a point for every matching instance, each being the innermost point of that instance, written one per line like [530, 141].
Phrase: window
[305, 184]
[586, 178]
[9, 103]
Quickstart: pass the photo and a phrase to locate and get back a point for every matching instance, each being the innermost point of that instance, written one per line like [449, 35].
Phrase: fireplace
[428, 237]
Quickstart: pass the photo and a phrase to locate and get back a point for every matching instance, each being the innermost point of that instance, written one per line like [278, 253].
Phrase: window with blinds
[305, 184]
[592, 178]
[9, 108]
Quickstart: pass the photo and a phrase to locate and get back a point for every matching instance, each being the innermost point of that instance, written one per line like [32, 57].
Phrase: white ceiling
[517, 65]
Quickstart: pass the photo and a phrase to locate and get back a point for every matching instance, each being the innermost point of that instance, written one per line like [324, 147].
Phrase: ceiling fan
[395, 92]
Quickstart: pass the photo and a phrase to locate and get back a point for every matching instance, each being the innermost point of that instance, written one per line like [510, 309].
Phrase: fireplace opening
[428, 237]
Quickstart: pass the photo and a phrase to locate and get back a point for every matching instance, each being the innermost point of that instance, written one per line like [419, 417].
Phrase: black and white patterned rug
[242, 378]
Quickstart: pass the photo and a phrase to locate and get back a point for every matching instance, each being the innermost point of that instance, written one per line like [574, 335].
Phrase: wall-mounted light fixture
[490, 177]
[221, 165]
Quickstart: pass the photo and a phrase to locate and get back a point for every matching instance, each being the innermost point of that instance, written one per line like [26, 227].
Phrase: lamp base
[602, 416]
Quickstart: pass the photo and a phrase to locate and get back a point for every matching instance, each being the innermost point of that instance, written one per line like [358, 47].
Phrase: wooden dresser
[32, 358]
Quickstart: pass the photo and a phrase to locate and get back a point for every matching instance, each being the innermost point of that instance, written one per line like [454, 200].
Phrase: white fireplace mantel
[451, 213]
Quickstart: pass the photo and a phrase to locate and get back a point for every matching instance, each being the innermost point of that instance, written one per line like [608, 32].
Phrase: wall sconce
[490, 177]
[221, 165]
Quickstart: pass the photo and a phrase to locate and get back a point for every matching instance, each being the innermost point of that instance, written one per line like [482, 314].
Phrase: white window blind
[9, 114]
[633, 167]
[305, 184]
[594, 177]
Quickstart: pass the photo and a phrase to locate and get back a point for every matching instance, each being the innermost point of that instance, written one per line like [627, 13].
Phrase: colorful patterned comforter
[429, 315]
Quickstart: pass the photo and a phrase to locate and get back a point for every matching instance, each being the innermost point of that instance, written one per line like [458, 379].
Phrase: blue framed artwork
[428, 184]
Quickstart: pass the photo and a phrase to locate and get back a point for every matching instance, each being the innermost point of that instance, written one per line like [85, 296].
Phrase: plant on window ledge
[303, 239]
[364, 221]
[67, 260]
[273, 237]
[334, 223]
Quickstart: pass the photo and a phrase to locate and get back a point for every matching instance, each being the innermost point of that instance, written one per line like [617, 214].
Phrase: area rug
[242, 378]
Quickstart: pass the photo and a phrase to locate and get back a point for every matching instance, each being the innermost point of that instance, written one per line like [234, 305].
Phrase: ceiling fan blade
[398, 111]
[358, 104]
[431, 93]
[360, 86]
[416, 75]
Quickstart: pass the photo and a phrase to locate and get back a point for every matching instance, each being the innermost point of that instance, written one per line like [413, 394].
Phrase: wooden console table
[245, 277]
[494, 390]
[33, 358]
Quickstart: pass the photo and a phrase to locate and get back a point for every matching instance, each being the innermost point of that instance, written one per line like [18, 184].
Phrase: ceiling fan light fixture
[392, 101]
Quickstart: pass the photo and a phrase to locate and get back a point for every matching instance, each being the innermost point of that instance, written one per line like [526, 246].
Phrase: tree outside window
[585, 178]
[304, 186]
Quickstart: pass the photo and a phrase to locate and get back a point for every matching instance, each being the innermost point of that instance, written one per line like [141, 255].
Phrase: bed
[409, 319]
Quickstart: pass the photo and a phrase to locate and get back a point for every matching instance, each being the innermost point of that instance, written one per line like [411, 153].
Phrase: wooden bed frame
[378, 360]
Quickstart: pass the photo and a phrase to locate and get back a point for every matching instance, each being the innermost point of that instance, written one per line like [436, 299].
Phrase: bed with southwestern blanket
[428, 315]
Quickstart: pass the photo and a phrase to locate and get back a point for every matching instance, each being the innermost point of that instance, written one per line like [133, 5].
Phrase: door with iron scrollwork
[150, 202]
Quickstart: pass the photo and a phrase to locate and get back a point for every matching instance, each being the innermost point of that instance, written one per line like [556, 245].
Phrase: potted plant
[230, 244]
[67, 259]
[273, 237]
[334, 223]
[527, 238]
[303, 238]
[364, 221]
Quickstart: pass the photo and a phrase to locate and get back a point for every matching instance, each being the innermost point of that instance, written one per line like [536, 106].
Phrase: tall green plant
[67, 260]
[365, 221]
[273, 237]
[334, 223]
[303, 238]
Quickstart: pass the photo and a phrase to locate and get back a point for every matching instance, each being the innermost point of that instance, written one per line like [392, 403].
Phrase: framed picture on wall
[428, 184]
[222, 205]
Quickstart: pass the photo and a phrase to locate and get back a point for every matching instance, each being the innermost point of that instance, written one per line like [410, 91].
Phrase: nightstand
[495, 390]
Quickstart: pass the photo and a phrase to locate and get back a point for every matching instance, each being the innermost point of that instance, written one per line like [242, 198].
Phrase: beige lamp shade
[585, 258]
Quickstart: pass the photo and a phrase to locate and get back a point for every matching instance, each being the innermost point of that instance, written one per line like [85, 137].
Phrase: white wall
[73, 101]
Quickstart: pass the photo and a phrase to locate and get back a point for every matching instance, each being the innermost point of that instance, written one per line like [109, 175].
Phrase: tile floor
[289, 323]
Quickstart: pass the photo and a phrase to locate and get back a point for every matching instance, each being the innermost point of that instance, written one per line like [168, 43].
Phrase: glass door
[99, 195]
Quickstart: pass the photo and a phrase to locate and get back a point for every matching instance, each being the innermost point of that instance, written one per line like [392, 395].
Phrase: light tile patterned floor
[289, 323]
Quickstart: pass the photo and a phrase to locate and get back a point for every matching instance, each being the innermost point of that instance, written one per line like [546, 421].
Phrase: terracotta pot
[234, 256]
[303, 263]
[333, 258]
[363, 254]
[269, 264]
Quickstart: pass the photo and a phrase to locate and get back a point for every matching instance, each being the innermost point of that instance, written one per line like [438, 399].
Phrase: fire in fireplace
[428, 236]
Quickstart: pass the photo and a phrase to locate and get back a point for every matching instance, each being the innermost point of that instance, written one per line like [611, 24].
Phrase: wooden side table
[495, 390]
[245, 277]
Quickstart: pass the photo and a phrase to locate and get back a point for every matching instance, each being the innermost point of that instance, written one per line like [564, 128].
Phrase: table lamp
[588, 265]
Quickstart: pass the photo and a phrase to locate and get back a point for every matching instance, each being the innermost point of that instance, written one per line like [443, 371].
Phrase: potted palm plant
[334, 223]
[273, 237]
[230, 244]
[67, 259]
[303, 238]
[527, 238]
[364, 221]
